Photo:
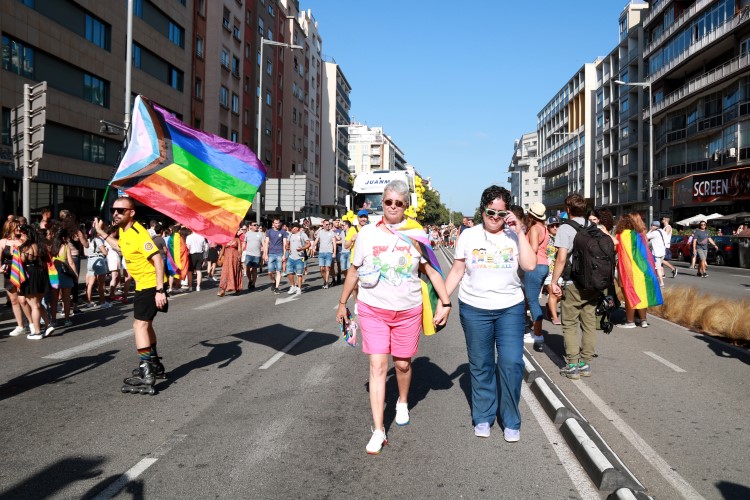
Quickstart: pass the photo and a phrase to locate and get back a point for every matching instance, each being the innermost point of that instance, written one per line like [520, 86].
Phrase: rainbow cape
[54, 277]
[413, 233]
[635, 265]
[17, 272]
[177, 247]
[203, 181]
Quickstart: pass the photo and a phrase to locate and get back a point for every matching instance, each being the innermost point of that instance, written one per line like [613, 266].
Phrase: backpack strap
[574, 224]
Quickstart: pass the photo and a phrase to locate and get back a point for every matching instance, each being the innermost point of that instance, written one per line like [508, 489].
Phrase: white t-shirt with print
[399, 287]
[491, 278]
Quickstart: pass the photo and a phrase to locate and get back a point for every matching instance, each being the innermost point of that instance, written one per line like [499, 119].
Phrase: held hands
[556, 290]
[441, 315]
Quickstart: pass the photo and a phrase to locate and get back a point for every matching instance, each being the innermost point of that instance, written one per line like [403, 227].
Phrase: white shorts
[657, 262]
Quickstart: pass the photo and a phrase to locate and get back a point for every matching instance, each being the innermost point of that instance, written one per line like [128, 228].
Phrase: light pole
[263, 43]
[294, 192]
[336, 169]
[647, 85]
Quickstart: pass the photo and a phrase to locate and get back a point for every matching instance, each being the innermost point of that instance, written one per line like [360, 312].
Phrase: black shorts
[196, 262]
[144, 305]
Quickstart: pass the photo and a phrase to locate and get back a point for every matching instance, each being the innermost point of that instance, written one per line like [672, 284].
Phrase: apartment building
[565, 130]
[335, 136]
[525, 182]
[371, 149]
[698, 58]
[621, 150]
[78, 47]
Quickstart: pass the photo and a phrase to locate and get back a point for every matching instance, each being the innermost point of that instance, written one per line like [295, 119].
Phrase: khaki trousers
[579, 307]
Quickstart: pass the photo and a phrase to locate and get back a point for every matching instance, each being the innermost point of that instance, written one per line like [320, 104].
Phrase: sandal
[221, 293]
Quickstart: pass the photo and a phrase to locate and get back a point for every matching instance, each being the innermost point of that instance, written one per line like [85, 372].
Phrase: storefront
[725, 192]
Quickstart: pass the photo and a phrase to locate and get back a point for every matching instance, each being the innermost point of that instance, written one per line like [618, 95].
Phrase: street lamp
[263, 43]
[650, 145]
[294, 192]
[336, 169]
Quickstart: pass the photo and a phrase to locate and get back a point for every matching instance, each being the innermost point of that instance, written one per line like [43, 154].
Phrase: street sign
[27, 136]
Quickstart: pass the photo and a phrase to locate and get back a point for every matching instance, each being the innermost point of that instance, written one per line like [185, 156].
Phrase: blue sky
[455, 83]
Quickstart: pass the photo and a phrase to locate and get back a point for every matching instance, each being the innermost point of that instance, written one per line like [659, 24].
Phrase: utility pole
[27, 130]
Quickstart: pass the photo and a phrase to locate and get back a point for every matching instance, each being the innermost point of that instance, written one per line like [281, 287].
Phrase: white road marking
[672, 477]
[69, 353]
[664, 361]
[215, 303]
[285, 350]
[288, 299]
[569, 461]
[139, 468]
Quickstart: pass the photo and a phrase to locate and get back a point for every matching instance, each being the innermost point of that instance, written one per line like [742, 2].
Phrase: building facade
[371, 149]
[335, 135]
[525, 182]
[565, 130]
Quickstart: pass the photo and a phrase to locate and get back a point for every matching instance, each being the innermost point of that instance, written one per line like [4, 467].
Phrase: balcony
[719, 32]
[726, 70]
[677, 24]
[561, 181]
[655, 11]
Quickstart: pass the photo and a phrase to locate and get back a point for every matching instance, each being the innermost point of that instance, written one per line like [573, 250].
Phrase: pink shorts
[390, 332]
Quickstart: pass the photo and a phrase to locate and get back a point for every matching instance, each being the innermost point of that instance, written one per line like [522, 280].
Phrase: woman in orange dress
[231, 271]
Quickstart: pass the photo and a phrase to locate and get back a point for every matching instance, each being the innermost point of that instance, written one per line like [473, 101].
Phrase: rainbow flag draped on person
[637, 272]
[54, 277]
[17, 272]
[203, 181]
[176, 247]
[412, 232]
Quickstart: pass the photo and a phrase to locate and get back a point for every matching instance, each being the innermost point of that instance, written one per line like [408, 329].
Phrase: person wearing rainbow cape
[386, 263]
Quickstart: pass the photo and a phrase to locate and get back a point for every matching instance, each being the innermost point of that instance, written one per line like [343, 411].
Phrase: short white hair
[399, 187]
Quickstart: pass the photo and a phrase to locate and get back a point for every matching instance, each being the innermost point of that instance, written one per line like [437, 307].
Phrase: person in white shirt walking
[657, 240]
[196, 246]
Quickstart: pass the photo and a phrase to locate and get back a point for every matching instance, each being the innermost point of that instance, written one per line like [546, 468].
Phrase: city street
[264, 400]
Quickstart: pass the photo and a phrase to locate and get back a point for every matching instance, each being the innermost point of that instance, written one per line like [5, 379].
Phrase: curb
[603, 466]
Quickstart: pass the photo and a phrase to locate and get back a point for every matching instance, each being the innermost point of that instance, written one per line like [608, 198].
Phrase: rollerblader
[146, 266]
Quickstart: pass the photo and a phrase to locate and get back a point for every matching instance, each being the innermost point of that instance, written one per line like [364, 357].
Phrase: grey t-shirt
[325, 239]
[254, 243]
[701, 239]
[341, 234]
[296, 241]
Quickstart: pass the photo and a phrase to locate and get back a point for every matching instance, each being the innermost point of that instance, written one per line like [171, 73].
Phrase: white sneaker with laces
[644, 324]
[292, 289]
[19, 330]
[34, 335]
[49, 331]
[528, 338]
[198, 288]
[377, 441]
[402, 413]
[626, 325]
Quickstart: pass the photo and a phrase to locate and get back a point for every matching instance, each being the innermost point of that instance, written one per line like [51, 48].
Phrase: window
[95, 90]
[176, 35]
[294, 115]
[176, 78]
[269, 66]
[268, 97]
[223, 131]
[201, 8]
[136, 56]
[198, 88]
[224, 97]
[271, 11]
[248, 17]
[93, 148]
[17, 57]
[261, 30]
[236, 32]
[235, 104]
[199, 47]
[97, 32]
[248, 50]
[270, 34]
[225, 19]
[197, 123]
[234, 136]
[138, 8]
[225, 57]
[235, 66]
[5, 127]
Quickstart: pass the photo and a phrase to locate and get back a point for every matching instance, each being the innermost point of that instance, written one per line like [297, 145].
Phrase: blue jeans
[344, 260]
[275, 263]
[532, 285]
[488, 331]
[325, 259]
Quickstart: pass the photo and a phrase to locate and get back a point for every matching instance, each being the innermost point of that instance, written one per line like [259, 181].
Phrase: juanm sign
[726, 185]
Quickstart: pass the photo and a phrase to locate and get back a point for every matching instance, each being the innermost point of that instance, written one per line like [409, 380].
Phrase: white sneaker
[402, 413]
[528, 338]
[377, 441]
[626, 325]
[482, 430]
[292, 289]
[512, 435]
[197, 288]
[644, 324]
[34, 335]
[49, 331]
[298, 291]
[19, 330]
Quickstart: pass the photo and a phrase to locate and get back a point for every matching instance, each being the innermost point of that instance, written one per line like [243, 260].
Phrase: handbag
[66, 269]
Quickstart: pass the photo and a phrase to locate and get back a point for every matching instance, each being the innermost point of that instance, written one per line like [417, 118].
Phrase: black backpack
[592, 263]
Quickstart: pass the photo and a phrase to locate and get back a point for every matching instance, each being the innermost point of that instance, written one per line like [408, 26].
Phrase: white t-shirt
[491, 279]
[658, 242]
[399, 287]
[195, 243]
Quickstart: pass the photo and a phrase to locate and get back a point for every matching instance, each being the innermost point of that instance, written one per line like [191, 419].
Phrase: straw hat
[537, 210]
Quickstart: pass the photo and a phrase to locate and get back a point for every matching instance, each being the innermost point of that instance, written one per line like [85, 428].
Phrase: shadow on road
[732, 490]
[278, 336]
[219, 354]
[51, 374]
[50, 480]
[723, 351]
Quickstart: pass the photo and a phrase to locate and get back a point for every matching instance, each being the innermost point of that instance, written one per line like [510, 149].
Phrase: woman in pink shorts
[389, 304]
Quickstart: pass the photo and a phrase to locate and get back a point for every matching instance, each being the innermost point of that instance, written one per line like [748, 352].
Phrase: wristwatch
[447, 305]
[159, 290]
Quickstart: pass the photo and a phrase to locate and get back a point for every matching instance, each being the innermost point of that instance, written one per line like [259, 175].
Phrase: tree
[434, 211]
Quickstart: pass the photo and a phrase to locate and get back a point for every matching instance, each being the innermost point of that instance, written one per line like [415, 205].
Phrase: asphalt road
[265, 401]
[722, 281]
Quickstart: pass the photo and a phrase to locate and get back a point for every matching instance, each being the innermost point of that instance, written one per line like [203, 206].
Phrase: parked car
[680, 248]
[727, 254]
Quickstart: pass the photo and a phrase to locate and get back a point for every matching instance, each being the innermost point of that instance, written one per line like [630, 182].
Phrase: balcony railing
[698, 83]
[655, 11]
[678, 23]
[719, 32]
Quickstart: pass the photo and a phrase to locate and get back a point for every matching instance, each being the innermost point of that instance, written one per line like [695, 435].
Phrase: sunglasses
[496, 213]
[118, 210]
[398, 203]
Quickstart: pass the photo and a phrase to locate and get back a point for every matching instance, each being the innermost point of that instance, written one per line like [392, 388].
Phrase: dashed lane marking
[73, 351]
[285, 350]
[664, 361]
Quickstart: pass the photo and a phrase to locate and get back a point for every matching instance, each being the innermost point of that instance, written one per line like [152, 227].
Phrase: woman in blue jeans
[538, 236]
[492, 311]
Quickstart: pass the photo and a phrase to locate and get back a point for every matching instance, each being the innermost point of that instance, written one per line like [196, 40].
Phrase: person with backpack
[585, 260]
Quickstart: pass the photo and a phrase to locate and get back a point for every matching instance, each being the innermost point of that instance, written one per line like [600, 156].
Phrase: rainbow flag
[17, 272]
[177, 247]
[54, 278]
[203, 181]
[413, 233]
[635, 265]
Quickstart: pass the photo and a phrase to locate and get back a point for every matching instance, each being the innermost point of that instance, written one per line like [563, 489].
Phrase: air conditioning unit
[733, 152]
